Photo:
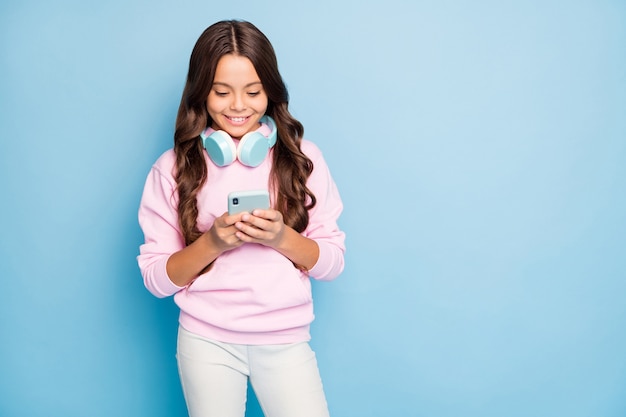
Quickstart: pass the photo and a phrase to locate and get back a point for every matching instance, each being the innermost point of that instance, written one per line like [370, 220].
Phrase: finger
[249, 235]
[229, 220]
[249, 229]
[259, 234]
[256, 223]
[225, 237]
[271, 215]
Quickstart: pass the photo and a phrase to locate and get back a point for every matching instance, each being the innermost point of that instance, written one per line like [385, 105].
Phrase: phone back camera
[235, 201]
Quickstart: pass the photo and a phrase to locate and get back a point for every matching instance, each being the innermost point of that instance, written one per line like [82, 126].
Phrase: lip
[237, 120]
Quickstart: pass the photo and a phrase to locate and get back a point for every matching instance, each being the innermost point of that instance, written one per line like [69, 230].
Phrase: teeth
[238, 119]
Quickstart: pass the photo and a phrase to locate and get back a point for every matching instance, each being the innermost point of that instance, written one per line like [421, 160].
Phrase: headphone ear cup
[252, 149]
[273, 131]
[221, 148]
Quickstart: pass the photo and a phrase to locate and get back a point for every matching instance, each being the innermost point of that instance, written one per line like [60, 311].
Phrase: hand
[184, 266]
[265, 227]
[223, 233]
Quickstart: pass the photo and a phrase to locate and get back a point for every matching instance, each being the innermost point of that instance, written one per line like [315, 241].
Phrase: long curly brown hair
[291, 167]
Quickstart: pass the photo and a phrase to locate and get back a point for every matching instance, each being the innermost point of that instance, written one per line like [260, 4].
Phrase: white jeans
[214, 377]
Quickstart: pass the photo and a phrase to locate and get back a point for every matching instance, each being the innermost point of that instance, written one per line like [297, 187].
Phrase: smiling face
[237, 100]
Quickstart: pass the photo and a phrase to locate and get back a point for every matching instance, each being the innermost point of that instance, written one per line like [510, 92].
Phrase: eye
[220, 93]
[254, 93]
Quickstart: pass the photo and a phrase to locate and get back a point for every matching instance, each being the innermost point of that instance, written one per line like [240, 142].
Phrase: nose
[238, 102]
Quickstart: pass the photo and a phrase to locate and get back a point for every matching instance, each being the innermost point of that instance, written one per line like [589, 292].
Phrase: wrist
[301, 250]
[210, 244]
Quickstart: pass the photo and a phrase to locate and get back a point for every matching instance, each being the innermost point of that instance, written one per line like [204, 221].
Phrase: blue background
[480, 148]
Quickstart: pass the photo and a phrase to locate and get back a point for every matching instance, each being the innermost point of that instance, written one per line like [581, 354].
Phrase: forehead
[235, 70]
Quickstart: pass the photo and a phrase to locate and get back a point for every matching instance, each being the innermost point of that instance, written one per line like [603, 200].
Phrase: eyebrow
[245, 86]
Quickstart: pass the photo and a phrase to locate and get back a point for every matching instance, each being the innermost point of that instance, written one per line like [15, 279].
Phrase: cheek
[263, 104]
[212, 105]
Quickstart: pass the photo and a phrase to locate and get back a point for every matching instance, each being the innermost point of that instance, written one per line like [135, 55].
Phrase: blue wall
[480, 148]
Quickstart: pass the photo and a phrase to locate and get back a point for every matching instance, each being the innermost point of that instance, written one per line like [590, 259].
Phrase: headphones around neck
[252, 150]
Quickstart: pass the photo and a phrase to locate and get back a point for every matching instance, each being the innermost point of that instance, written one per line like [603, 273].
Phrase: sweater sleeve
[158, 219]
[323, 228]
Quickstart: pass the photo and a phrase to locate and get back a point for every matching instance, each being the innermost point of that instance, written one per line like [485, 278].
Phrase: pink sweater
[252, 294]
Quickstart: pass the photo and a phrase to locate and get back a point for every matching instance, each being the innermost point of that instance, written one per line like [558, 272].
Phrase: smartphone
[240, 201]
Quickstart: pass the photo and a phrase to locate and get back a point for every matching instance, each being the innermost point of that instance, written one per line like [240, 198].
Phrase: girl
[242, 280]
